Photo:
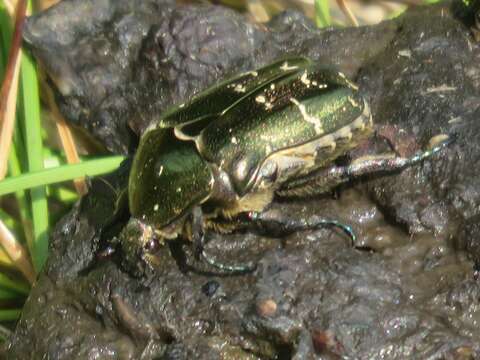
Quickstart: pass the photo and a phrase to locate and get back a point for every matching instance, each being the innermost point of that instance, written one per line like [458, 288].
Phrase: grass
[26, 218]
[322, 13]
[25, 194]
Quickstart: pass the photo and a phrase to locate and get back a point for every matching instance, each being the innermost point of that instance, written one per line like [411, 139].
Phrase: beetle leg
[197, 231]
[199, 240]
[232, 269]
[279, 224]
[275, 224]
[327, 179]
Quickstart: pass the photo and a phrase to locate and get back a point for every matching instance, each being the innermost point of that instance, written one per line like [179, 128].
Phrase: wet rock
[406, 291]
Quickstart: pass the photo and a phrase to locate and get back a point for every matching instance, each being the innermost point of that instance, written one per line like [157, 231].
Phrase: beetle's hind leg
[326, 179]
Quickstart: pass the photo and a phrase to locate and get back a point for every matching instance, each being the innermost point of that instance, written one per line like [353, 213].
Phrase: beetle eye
[152, 245]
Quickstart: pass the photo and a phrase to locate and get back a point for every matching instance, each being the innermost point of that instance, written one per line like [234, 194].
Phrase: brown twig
[16, 252]
[348, 13]
[66, 138]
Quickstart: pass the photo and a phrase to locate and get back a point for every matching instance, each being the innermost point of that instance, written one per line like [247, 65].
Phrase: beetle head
[147, 237]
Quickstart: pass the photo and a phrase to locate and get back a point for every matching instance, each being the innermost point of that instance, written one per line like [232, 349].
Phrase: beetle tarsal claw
[435, 145]
[347, 229]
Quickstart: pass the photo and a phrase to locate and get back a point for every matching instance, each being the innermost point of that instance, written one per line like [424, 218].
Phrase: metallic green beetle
[270, 132]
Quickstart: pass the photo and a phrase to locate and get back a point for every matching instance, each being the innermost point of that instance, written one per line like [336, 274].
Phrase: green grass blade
[322, 13]
[33, 141]
[8, 220]
[10, 314]
[9, 295]
[16, 161]
[62, 194]
[59, 174]
[5, 32]
[2, 57]
[13, 285]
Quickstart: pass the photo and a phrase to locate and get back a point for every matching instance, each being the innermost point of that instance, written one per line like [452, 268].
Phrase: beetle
[218, 160]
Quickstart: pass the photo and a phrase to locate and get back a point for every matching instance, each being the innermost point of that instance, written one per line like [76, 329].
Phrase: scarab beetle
[219, 159]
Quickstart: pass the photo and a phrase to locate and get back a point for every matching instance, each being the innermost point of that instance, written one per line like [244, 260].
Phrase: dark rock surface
[411, 294]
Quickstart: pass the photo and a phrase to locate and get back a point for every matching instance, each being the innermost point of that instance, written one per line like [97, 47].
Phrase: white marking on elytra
[304, 79]
[241, 167]
[307, 117]
[260, 99]
[286, 67]
[240, 88]
[344, 133]
[352, 101]
[358, 124]
[352, 85]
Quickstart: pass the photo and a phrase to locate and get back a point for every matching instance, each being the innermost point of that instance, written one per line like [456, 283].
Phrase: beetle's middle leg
[199, 238]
